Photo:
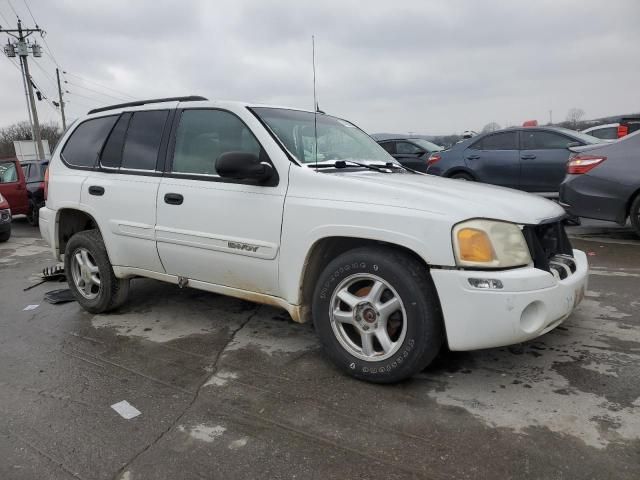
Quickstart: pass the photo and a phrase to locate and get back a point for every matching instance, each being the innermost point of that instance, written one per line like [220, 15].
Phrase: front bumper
[531, 303]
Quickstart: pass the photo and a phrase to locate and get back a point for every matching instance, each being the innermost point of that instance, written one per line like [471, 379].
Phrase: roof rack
[137, 103]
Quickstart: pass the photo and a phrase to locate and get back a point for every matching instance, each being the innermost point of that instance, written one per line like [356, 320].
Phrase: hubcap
[368, 317]
[85, 273]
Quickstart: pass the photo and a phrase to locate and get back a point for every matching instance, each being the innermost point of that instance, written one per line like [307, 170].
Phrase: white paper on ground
[30, 307]
[126, 410]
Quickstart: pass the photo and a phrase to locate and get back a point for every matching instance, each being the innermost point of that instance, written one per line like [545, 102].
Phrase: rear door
[121, 192]
[12, 186]
[494, 159]
[544, 157]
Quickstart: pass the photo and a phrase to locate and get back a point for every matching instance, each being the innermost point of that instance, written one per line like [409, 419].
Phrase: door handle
[473, 157]
[527, 157]
[96, 190]
[173, 198]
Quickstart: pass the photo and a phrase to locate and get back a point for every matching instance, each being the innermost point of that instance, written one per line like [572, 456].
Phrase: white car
[605, 132]
[304, 211]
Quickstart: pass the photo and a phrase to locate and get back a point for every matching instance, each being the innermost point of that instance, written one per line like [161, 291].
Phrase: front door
[212, 229]
[494, 159]
[544, 157]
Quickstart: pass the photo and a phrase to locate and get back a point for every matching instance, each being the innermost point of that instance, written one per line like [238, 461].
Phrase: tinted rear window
[112, 151]
[84, 145]
[143, 140]
[540, 140]
[498, 141]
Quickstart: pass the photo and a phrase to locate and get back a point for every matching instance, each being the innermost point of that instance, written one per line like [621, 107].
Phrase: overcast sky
[426, 66]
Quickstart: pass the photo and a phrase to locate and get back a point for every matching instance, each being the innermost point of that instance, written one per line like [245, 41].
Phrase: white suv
[306, 212]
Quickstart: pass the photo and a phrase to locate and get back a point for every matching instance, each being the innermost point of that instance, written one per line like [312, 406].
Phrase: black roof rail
[137, 103]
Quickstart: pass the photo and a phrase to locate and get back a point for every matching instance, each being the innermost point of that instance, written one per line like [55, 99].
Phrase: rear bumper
[531, 303]
[592, 197]
[47, 228]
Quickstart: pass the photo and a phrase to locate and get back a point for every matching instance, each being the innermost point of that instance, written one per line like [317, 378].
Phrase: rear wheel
[377, 314]
[32, 214]
[462, 176]
[90, 276]
[634, 214]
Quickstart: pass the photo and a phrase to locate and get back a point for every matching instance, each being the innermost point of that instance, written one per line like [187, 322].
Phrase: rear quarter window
[84, 144]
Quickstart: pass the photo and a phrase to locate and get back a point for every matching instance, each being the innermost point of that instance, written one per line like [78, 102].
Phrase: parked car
[532, 159]
[614, 131]
[5, 220]
[411, 152]
[232, 198]
[603, 182]
[13, 186]
[34, 171]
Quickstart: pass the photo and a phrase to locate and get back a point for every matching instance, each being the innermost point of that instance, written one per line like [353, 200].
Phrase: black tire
[634, 214]
[4, 236]
[462, 176]
[33, 214]
[412, 283]
[113, 292]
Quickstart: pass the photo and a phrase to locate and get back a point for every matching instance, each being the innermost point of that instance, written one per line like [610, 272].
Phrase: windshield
[427, 145]
[337, 139]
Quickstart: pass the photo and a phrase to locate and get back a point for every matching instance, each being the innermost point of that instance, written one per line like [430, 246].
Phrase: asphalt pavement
[227, 389]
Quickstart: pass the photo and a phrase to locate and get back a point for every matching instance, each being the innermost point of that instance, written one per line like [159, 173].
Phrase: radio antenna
[315, 98]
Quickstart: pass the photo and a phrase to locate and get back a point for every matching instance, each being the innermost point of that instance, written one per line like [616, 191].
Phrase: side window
[499, 141]
[25, 170]
[539, 140]
[142, 141]
[112, 151]
[389, 147]
[203, 135]
[407, 148]
[84, 145]
[8, 173]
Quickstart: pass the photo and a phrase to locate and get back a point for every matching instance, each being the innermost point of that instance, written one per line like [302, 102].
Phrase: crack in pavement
[196, 395]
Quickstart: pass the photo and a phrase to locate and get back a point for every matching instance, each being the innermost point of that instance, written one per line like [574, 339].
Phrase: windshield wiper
[343, 164]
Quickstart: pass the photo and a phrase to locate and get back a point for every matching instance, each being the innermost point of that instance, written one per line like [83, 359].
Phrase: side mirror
[243, 166]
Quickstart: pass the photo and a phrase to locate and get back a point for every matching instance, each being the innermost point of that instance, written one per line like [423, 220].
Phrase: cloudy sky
[426, 66]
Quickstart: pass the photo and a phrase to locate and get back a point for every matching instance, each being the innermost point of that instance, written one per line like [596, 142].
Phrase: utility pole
[22, 49]
[64, 122]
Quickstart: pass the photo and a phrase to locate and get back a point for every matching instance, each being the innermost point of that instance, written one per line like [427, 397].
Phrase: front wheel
[90, 276]
[377, 314]
[462, 176]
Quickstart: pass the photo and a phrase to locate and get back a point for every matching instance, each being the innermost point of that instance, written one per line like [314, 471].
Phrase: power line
[84, 96]
[14, 10]
[95, 91]
[49, 77]
[30, 13]
[99, 85]
[3, 17]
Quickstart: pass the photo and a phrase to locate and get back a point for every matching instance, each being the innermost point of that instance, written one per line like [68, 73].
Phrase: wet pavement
[228, 389]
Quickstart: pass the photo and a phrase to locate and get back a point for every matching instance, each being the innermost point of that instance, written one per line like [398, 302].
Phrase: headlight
[489, 244]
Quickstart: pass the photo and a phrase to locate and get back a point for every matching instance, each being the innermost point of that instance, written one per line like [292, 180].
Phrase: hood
[457, 199]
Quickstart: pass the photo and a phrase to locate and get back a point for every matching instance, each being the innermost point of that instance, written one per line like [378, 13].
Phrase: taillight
[583, 163]
[623, 130]
[433, 158]
[46, 183]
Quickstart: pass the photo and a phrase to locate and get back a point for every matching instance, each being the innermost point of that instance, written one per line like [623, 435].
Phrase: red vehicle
[13, 186]
[5, 220]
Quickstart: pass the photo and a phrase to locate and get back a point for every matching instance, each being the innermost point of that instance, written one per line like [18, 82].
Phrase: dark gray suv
[527, 158]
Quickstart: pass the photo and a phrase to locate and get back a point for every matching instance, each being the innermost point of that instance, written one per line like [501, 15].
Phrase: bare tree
[490, 127]
[574, 115]
[22, 131]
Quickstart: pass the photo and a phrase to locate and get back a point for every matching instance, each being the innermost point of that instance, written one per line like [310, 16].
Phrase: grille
[550, 248]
